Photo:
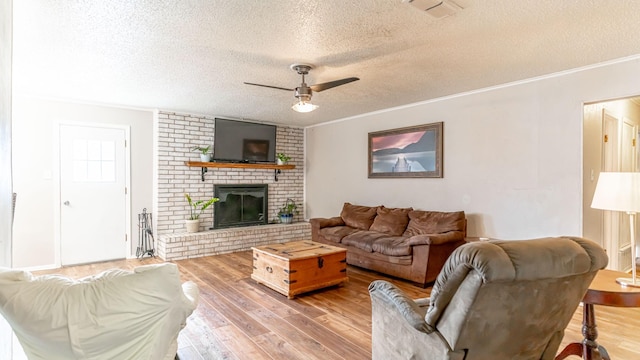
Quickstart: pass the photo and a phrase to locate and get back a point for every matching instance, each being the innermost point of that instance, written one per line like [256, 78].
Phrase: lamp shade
[617, 191]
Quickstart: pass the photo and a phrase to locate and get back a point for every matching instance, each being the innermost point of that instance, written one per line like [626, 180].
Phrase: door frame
[611, 220]
[57, 229]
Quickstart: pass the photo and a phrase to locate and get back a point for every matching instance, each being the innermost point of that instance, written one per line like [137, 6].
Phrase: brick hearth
[214, 242]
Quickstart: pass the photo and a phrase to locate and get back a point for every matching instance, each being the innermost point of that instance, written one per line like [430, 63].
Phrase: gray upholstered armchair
[492, 300]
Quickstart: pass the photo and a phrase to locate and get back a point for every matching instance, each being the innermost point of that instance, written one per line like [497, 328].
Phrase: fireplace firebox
[240, 205]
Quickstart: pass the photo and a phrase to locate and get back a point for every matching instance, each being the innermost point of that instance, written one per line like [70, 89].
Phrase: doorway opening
[610, 133]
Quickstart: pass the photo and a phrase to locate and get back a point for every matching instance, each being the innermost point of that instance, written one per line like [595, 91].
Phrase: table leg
[590, 333]
[571, 349]
[589, 348]
[603, 353]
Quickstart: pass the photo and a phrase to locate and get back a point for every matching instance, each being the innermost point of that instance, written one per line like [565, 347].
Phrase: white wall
[6, 30]
[33, 122]
[512, 154]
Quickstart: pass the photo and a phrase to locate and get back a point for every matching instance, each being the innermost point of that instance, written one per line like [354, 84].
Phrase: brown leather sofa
[401, 242]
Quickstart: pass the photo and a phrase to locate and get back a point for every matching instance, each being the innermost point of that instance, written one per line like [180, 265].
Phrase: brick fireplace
[175, 135]
[240, 205]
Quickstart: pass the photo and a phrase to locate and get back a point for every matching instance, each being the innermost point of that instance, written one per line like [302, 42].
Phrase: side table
[603, 291]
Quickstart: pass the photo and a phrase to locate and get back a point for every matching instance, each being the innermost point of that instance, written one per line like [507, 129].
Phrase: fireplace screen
[240, 205]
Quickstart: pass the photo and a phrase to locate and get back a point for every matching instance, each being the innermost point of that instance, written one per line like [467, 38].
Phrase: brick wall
[176, 134]
[189, 245]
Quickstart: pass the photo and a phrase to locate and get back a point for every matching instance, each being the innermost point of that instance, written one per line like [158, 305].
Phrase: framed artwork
[410, 152]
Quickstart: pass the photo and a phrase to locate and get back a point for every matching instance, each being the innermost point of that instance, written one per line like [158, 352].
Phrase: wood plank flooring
[240, 319]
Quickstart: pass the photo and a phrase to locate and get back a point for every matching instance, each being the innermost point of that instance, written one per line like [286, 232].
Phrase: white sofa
[116, 314]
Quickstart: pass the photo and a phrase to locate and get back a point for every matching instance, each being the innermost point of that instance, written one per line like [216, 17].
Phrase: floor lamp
[620, 191]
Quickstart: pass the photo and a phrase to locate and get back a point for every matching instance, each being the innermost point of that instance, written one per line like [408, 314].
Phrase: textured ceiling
[193, 56]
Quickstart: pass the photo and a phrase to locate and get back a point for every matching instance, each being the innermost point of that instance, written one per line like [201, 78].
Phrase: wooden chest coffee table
[300, 266]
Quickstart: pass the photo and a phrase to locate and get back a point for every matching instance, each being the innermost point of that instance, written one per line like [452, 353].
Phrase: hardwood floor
[240, 319]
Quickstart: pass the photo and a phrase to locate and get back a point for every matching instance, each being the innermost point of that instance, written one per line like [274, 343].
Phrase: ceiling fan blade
[269, 86]
[330, 84]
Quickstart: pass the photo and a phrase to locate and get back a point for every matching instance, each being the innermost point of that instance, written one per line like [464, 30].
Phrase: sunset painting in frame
[413, 152]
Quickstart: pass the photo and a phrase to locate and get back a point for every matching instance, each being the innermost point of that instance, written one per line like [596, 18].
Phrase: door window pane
[79, 170]
[94, 161]
[79, 149]
[94, 150]
[108, 171]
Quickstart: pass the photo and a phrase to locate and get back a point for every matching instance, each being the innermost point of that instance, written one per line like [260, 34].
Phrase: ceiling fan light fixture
[436, 8]
[304, 92]
[304, 106]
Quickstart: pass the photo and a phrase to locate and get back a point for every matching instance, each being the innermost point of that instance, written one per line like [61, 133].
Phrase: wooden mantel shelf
[239, 165]
[204, 165]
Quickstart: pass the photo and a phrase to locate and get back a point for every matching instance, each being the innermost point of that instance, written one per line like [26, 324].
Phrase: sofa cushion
[393, 246]
[336, 233]
[363, 240]
[434, 222]
[392, 221]
[358, 216]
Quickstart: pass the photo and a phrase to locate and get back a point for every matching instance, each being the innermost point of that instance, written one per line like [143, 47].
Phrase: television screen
[240, 141]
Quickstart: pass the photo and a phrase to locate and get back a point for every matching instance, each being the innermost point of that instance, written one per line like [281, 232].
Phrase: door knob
[66, 203]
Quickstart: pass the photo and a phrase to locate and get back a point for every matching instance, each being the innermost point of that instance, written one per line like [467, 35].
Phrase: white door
[627, 164]
[618, 154]
[92, 194]
[610, 162]
[627, 153]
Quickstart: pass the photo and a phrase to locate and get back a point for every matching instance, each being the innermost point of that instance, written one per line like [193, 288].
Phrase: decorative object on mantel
[287, 211]
[410, 152]
[205, 156]
[282, 158]
[196, 209]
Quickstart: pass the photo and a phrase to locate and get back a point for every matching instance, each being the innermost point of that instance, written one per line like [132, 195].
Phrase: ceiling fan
[303, 92]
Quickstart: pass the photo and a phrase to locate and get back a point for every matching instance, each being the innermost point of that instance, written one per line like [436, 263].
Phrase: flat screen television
[240, 141]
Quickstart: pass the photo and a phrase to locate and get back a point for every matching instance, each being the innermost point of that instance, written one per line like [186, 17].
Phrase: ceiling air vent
[436, 8]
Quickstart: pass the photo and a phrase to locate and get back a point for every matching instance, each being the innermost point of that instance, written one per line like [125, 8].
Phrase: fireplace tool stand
[146, 241]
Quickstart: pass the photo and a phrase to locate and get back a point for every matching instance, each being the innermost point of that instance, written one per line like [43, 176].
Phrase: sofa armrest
[436, 239]
[326, 222]
[423, 302]
[393, 299]
[319, 223]
[192, 293]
